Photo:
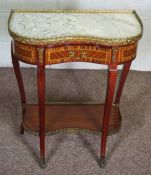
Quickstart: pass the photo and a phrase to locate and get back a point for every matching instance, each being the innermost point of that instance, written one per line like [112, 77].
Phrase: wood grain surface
[62, 116]
[75, 52]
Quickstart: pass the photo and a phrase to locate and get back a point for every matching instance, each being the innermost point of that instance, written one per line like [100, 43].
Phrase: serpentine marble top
[46, 26]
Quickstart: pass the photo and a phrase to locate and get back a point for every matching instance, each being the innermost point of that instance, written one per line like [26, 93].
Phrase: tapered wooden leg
[17, 71]
[112, 74]
[124, 74]
[41, 104]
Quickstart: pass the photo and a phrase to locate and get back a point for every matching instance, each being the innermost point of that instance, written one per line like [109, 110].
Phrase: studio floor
[128, 152]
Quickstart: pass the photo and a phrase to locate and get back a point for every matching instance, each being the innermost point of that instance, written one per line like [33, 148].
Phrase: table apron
[76, 53]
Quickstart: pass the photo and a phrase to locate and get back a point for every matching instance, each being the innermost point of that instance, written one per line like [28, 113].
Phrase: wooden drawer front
[25, 53]
[127, 53]
[78, 53]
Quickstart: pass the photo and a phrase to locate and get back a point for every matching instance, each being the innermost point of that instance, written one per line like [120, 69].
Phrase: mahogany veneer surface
[62, 116]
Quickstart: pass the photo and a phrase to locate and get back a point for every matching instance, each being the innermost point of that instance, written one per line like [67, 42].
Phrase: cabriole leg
[112, 74]
[17, 71]
[123, 77]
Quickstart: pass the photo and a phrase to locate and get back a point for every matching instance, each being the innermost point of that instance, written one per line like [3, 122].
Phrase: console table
[46, 37]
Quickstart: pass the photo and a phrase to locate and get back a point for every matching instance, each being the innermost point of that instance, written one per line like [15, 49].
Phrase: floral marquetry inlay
[46, 37]
[76, 53]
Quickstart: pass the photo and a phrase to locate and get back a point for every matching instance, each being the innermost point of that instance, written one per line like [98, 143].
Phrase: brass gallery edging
[104, 41]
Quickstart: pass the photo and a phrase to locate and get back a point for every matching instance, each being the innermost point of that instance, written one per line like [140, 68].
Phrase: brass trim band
[103, 41]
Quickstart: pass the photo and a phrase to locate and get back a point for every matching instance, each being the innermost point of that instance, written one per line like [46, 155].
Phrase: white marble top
[46, 25]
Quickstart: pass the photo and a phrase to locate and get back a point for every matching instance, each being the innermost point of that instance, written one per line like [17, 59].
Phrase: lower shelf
[65, 116]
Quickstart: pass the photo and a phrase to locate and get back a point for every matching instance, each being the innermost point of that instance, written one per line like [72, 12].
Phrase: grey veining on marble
[46, 25]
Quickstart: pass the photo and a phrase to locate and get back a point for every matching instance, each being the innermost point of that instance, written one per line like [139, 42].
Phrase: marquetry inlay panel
[78, 53]
[25, 53]
[127, 53]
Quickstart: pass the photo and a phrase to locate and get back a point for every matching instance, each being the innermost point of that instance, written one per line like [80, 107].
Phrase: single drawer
[78, 53]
